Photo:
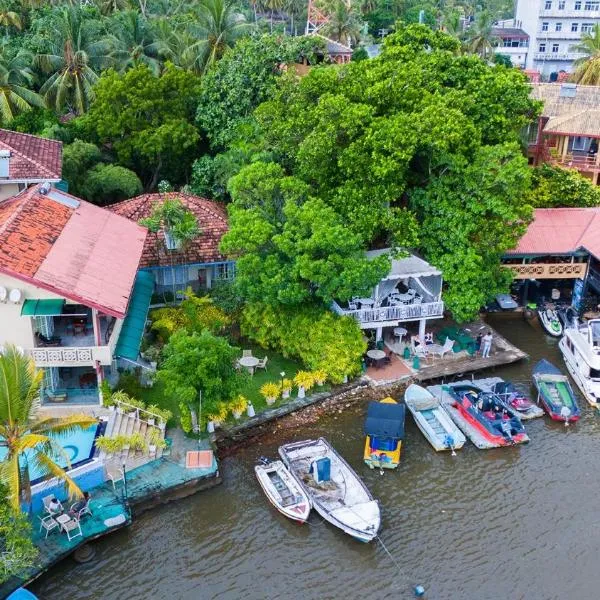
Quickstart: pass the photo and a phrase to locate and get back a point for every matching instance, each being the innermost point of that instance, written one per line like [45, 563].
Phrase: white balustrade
[404, 312]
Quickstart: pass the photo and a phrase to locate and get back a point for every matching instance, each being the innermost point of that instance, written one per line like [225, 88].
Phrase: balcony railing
[581, 163]
[406, 312]
[70, 356]
[557, 56]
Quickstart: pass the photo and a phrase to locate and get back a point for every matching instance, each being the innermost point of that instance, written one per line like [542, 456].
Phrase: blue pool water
[78, 447]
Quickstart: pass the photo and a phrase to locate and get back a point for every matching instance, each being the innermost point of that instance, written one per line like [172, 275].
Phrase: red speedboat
[495, 420]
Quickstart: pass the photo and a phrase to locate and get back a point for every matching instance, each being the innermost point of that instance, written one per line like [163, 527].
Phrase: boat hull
[297, 510]
[551, 324]
[343, 500]
[547, 377]
[577, 377]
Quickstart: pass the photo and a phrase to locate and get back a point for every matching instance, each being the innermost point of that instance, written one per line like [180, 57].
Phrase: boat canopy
[385, 420]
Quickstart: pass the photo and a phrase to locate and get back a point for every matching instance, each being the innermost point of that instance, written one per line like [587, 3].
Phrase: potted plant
[156, 441]
[270, 391]
[286, 388]
[163, 415]
[219, 414]
[238, 406]
[319, 377]
[137, 443]
[304, 381]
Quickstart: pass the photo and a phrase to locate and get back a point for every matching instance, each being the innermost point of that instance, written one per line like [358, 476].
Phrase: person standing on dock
[487, 344]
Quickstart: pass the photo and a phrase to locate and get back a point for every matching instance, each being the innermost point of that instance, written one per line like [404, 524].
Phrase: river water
[508, 523]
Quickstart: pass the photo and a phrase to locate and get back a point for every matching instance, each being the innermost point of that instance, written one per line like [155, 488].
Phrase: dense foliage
[17, 552]
[321, 340]
[555, 187]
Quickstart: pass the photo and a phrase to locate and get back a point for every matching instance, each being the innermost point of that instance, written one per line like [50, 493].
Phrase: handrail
[137, 409]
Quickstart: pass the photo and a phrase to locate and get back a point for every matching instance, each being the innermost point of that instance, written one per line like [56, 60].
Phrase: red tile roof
[212, 219]
[32, 157]
[561, 231]
[77, 250]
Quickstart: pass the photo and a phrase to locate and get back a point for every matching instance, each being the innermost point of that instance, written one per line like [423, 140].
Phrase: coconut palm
[9, 18]
[73, 61]
[108, 7]
[16, 79]
[134, 43]
[588, 66]
[294, 10]
[24, 434]
[480, 39]
[218, 25]
[344, 25]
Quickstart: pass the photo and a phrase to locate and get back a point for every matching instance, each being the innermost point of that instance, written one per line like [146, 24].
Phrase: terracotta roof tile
[80, 251]
[212, 219]
[32, 157]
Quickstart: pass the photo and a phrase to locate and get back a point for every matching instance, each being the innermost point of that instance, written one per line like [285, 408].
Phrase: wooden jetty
[503, 353]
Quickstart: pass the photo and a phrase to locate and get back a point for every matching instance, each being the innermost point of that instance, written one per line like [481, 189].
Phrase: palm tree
[9, 18]
[218, 25]
[25, 435]
[480, 38]
[273, 5]
[588, 66]
[134, 43]
[108, 7]
[73, 61]
[343, 25]
[16, 79]
[294, 9]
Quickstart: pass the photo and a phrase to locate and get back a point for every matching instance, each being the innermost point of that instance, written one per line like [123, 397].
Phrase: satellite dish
[3, 294]
[15, 296]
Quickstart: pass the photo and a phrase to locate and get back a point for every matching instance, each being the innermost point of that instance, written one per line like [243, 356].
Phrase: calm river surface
[510, 523]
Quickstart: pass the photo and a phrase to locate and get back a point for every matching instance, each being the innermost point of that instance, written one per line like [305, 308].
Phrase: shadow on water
[509, 523]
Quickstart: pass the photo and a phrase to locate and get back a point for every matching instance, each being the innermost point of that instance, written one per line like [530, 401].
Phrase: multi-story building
[71, 296]
[555, 28]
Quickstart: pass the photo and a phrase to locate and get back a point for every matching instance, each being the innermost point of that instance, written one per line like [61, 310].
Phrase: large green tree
[470, 216]
[291, 248]
[555, 187]
[147, 121]
[29, 439]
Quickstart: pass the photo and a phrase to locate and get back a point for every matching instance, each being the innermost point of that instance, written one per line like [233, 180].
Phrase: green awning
[42, 308]
[131, 334]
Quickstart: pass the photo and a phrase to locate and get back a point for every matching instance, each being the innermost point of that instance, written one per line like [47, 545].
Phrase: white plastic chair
[72, 528]
[81, 512]
[262, 363]
[115, 478]
[48, 523]
[246, 353]
[442, 350]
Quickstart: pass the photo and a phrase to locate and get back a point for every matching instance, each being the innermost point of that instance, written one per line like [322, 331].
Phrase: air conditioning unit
[15, 296]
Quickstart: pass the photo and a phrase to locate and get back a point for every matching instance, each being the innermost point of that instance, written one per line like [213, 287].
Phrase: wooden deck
[503, 353]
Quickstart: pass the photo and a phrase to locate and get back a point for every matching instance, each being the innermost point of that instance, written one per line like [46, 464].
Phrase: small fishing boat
[549, 320]
[335, 490]
[555, 392]
[518, 400]
[433, 421]
[282, 490]
[496, 422]
[384, 429]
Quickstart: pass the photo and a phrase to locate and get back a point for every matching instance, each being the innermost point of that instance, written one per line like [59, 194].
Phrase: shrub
[219, 413]
[270, 390]
[320, 339]
[555, 187]
[239, 405]
[129, 383]
[105, 184]
[185, 417]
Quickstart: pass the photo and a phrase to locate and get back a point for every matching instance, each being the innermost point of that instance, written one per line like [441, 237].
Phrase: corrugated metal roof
[561, 231]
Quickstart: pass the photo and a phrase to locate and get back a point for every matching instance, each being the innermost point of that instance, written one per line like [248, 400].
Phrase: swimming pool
[78, 446]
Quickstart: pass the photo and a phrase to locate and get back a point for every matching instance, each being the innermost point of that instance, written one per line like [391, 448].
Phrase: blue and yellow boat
[384, 429]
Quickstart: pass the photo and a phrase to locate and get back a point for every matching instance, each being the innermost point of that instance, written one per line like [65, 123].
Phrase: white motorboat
[580, 347]
[283, 491]
[335, 490]
[433, 421]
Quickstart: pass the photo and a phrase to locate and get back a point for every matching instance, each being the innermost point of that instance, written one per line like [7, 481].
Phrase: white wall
[15, 329]
[7, 190]
[526, 18]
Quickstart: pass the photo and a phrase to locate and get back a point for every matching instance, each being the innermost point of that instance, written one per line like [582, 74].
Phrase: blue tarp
[385, 420]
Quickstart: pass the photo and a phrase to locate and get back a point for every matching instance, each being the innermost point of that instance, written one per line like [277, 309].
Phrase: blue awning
[131, 334]
[385, 420]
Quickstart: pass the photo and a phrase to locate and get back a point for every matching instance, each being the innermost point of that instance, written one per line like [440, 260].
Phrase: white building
[70, 294]
[554, 28]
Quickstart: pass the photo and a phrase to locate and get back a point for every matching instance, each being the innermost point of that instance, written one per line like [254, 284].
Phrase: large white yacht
[580, 346]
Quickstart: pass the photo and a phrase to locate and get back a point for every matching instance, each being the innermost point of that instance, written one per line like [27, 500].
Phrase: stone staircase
[120, 423]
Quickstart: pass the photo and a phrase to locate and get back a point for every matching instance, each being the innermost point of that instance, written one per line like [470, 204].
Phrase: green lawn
[275, 365]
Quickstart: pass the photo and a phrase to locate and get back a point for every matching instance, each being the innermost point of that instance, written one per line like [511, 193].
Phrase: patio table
[249, 362]
[377, 356]
[62, 520]
[400, 332]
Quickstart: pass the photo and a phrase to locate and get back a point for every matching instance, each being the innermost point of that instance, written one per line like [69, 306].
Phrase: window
[586, 27]
[558, 27]
[542, 47]
[574, 27]
[548, 5]
[591, 5]
[555, 48]
[544, 26]
[577, 5]
[561, 5]
[225, 271]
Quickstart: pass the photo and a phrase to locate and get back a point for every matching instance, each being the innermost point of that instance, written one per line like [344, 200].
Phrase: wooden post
[565, 146]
